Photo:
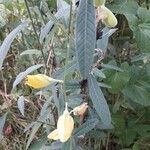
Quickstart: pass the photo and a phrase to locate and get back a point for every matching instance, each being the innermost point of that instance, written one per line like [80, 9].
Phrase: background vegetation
[40, 37]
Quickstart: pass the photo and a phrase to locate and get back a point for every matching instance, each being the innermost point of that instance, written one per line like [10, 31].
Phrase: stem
[107, 143]
[34, 29]
[68, 48]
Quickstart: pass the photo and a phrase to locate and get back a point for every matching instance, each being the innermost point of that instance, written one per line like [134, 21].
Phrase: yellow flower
[108, 18]
[98, 3]
[65, 126]
[80, 110]
[40, 81]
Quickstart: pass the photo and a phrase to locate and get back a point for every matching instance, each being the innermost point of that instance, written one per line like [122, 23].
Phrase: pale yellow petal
[98, 3]
[110, 19]
[65, 126]
[53, 135]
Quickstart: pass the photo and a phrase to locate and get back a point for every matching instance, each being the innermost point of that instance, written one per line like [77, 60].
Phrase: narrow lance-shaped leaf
[62, 13]
[86, 127]
[33, 132]
[2, 123]
[22, 75]
[7, 42]
[70, 67]
[99, 101]
[102, 43]
[31, 52]
[68, 145]
[85, 36]
[20, 104]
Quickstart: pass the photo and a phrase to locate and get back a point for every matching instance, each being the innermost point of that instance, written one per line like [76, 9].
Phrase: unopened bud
[40, 81]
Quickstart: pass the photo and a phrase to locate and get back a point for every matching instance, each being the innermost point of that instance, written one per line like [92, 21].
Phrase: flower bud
[40, 81]
[80, 110]
[65, 125]
[98, 3]
[109, 18]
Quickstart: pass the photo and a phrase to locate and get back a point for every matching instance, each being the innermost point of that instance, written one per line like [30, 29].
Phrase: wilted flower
[80, 110]
[40, 81]
[65, 126]
[107, 17]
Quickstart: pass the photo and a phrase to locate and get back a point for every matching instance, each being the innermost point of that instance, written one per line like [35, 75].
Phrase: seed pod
[65, 125]
[109, 20]
[53, 135]
[80, 110]
[40, 81]
[98, 3]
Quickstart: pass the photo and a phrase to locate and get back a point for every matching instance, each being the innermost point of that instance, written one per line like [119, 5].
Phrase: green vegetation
[56, 52]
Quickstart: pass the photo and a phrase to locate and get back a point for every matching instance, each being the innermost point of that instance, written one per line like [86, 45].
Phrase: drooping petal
[53, 135]
[65, 126]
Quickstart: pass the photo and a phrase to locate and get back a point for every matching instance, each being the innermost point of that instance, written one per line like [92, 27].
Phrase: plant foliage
[106, 69]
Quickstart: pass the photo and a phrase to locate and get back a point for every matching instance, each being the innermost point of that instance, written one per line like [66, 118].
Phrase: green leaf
[58, 100]
[127, 136]
[141, 27]
[22, 75]
[143, 56]
[108, 66]
[68, 145]
[136, 146]
[54, 146]
[133, 22]
[62, 13]
[101, 84]
[143, 14]
[86, 127]
[138, 18]
[33, 132]
[117, 81]
[4, 48]
[98, 73]
[137, 94]
[97, 134]
[85, 36]
[118, 122]
[74, 100]
[102, 43]
[2, 123]
[99, 101]
[31, 52]
[143, 36]
[2, 21]
[124, 6]
[144, 130]
[71, 67]
[20, 103]
[39, 144]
